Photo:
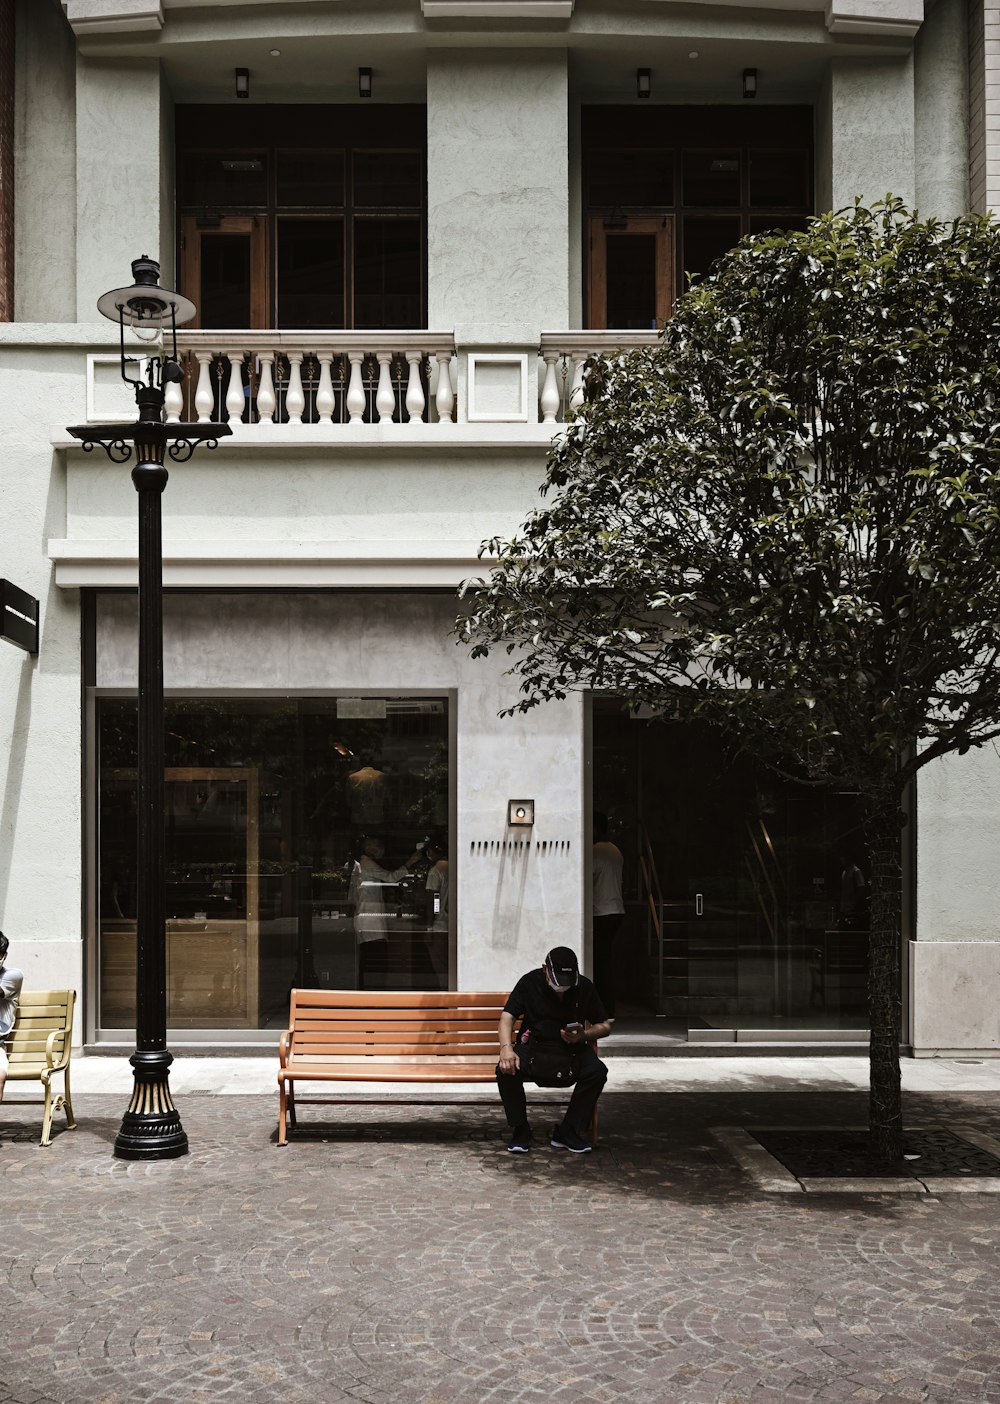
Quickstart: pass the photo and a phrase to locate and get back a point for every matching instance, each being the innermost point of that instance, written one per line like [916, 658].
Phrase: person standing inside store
[10, 992]
[437, 890]
[556, 1005]
[372, 909]
[609, 910]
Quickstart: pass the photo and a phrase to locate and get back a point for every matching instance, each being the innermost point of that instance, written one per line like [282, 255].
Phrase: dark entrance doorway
[746, 893]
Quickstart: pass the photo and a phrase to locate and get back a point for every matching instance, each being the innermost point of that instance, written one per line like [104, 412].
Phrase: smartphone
[575, 1025]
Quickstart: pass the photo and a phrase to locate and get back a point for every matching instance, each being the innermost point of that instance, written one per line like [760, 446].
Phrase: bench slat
[394, 999]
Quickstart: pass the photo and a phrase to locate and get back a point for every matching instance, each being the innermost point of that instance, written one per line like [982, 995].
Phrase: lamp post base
[151, 1127]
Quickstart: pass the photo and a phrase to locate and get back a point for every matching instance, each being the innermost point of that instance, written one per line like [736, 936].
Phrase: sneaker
[520, 1140]
[563, 1138]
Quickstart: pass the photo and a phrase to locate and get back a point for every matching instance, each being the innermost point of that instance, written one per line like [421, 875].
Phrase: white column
[385, 400]
[266, 402]
[325, 399]
[549, 402]
[445, 397]
[204, 399]
[235, 398]
[173, 399]
[414, 388]
[295, 400]
[356, 389]
[576, 393]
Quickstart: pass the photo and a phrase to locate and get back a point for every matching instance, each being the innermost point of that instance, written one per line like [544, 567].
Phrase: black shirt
[546, 1012]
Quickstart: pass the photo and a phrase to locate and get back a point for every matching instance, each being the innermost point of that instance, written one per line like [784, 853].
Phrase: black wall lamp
[643, 82]
[242, 82]
[364, 82]
[749, 82]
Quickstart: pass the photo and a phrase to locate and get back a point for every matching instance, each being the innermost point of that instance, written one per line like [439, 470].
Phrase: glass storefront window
[305, 844]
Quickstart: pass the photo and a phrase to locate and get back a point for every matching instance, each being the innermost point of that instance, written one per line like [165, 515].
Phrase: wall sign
[18, 617]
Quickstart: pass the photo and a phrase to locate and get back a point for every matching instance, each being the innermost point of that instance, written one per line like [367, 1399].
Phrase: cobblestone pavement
[402, 1255]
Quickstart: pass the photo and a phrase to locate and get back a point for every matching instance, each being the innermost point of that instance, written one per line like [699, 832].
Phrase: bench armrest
[284, 1047]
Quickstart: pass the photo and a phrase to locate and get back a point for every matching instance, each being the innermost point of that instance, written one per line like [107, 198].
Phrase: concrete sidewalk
[257, 1076]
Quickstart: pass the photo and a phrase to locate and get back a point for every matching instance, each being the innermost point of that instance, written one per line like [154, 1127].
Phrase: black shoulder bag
[549, 1062]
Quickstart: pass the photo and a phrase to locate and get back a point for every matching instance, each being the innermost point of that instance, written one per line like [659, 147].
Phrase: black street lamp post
[151, 1127]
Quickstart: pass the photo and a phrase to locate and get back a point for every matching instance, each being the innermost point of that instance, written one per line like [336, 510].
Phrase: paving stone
[399, 1255]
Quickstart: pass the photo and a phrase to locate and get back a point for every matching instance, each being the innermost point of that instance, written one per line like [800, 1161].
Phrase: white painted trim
[416, 439]
[94, 415]
[498, 358]
[497, 9]
[271, 564]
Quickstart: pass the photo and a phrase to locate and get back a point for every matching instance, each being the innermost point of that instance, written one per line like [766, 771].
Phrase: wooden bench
[38, 1046]
[396, 1036]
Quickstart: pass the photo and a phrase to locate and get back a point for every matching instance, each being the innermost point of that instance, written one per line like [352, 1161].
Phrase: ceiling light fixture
[242, 82]
[364, 82]
[642, 82]
[749, 82]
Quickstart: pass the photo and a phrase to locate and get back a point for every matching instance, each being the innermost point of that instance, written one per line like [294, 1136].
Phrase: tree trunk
[883, 824]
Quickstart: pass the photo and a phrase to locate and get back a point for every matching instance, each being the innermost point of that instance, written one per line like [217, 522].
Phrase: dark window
[386, 272]
[310, 179]
[310, 273]
[631, 274]
[711, 178]
[778, 180]
[224, 299]
[337, 233]
[706, 238]
[641, 178]
[224, 180]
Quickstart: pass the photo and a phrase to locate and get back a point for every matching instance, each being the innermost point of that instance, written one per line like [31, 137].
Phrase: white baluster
[295, 400]
[445, 397]
[414, 388]
[173, 400]
[235, 397]
[549, 402]
[576, 393]
[325, 400]
[385, 399]
[356, 389]
[266, 402]
[204, 399]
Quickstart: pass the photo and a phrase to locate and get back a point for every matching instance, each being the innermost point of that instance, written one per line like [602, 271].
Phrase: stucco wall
[941, 108]
[45, 164]
[497, 193]
[865, 138]
[512, 905]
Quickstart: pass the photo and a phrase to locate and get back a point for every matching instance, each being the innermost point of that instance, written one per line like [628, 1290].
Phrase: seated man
[554, 1003]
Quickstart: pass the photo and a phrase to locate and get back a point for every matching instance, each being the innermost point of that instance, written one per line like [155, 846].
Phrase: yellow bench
[39, 1045]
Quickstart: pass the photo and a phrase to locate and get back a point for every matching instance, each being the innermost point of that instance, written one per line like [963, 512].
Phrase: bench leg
[291, 1106]
[47, 1113]
[593, 1129]
[67, 1103]
[282, 1115]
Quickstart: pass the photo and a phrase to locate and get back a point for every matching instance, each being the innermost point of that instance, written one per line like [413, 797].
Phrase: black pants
[586, 1090]
[605, 931]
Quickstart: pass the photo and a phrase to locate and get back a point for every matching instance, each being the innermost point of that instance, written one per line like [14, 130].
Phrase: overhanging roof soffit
[900, 18]
[113, 16]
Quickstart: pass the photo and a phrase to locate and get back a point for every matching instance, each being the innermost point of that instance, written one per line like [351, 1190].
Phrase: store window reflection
[304, 845]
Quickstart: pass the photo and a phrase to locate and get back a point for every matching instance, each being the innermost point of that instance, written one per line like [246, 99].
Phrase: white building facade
[397, 292]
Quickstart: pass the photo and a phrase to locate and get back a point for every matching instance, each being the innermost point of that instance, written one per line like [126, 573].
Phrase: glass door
[631, 271]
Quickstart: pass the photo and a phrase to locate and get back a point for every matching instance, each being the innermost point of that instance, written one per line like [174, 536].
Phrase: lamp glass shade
[145, 305]
[520, 813]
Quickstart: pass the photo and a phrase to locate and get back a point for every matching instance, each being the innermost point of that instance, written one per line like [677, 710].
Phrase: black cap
[562, 968]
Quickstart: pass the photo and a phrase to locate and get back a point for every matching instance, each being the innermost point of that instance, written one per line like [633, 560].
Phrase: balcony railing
[269, 377]
[299, 378]
[565, 355]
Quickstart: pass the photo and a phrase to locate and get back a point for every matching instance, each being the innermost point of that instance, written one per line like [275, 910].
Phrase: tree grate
[831, 1154]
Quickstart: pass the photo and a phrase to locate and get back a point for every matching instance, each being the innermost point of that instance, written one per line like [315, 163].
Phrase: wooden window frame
[659, 225]
[191, 239]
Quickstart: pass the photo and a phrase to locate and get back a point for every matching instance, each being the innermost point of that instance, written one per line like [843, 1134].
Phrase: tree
[786, 517]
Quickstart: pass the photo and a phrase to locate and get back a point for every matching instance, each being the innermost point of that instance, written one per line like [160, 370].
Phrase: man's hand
[509, 1061]
[575, 1033]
